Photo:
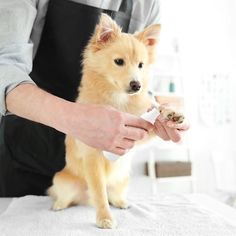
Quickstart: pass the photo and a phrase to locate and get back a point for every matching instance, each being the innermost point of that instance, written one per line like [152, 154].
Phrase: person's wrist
[61, 116]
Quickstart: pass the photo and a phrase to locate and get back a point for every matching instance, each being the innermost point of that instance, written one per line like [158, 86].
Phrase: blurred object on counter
[167, 73]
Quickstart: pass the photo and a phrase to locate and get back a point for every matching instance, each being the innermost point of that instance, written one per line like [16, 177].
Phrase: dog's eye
[119, 62]
[140, 65]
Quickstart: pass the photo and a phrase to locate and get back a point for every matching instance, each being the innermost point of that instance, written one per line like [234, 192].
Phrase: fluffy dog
[115, 69]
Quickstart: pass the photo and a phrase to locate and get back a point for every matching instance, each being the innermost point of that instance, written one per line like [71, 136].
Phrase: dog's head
[122, 59]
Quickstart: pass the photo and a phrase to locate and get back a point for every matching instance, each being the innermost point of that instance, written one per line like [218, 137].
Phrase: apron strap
[123, 15]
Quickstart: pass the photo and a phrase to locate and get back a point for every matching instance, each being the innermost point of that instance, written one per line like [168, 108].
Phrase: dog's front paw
[106, 223]
[171, 114]
[122, 204]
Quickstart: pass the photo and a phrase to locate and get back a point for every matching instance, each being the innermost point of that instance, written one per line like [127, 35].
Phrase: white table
[183, 214]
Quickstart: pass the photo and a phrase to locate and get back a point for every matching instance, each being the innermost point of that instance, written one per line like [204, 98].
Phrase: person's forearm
[98, 126]
[30, 102]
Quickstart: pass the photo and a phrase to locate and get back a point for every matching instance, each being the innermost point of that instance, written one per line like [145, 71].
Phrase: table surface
[137, 186]
[4, 203]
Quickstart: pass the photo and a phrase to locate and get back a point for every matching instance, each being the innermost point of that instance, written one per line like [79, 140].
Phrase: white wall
[206, 32]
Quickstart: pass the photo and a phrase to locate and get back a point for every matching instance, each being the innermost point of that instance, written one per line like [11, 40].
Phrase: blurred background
[197, 62]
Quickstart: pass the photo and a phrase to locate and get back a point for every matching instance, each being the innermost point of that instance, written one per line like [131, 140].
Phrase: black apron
[31, 153]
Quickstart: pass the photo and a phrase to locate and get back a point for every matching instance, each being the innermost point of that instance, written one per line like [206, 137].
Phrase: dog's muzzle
[135, 86]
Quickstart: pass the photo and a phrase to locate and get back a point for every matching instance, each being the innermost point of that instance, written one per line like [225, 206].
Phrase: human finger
[134, 121]
[133, 133]
[126, 143]
[160, 131]
[174, 134]
[183, 126]
[120, 151]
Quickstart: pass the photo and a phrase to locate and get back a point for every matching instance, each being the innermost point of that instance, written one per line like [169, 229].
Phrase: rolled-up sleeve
[155, 15]
[144, 13]
[16, 22]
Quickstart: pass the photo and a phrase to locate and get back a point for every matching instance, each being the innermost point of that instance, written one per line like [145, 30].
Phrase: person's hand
[105, 128]
[168, 130]
[101, 127]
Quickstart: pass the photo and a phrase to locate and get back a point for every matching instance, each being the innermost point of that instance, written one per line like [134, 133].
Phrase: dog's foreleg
[96, 180]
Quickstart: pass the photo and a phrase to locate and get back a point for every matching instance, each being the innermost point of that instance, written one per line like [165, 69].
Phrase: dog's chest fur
[119, 100]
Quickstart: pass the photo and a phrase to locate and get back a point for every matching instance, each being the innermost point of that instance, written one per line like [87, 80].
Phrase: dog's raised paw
[170, 114]
[178, 118]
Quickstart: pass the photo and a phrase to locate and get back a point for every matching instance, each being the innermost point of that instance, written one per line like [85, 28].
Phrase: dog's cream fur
[89, 178]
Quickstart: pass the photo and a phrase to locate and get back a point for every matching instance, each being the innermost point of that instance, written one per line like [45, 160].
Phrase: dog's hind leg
[117, 193]
[66, 190]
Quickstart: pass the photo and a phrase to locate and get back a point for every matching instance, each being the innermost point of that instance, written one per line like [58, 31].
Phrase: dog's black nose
[135, 85]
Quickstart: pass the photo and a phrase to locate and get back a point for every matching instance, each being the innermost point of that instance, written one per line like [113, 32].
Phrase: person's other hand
[168, 130]
[106, 128]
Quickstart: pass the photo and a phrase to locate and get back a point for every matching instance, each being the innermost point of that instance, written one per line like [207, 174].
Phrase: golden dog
[115, 69]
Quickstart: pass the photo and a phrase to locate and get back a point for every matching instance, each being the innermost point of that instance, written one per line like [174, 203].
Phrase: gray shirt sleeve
[154, 16]
[144, 13]
[16, 22]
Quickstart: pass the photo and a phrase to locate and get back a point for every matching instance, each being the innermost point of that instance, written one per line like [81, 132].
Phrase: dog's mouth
[131, 92]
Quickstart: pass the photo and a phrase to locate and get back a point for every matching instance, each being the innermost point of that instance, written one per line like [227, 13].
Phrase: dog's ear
[150, 37]
[106, 31]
